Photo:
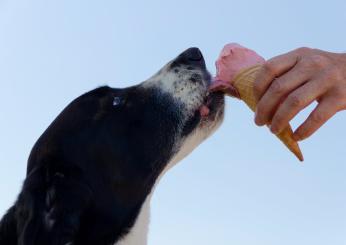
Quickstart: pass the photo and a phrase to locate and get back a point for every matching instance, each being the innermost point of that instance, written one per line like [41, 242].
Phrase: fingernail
[258, 122]
[257, 119]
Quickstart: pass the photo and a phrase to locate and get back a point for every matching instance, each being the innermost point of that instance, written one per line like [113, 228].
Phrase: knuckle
[303, 50]
[277, 87]
[317, 61]
[317, 118]
[295, 100]
[269, 68]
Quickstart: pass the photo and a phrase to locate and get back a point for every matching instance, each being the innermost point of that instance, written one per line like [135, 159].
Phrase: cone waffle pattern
[243, 82]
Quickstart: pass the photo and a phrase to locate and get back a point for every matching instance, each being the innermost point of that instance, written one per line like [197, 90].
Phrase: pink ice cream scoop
[232, 59]
[237, 69]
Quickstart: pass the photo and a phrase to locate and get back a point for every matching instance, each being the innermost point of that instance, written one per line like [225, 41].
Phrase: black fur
[91, 170]
[74, 167]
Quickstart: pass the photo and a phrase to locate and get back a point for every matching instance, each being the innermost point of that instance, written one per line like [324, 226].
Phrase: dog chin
[206, 126]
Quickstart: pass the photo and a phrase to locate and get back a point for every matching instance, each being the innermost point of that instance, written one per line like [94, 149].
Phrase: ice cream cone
[243, 82]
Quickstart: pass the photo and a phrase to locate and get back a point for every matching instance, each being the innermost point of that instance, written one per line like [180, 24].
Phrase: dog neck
[138, 235]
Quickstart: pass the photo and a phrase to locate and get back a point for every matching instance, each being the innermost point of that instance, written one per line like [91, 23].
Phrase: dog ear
[68, 195]
[54, 202]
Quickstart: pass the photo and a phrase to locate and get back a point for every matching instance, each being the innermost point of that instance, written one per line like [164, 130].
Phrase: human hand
[290, 82]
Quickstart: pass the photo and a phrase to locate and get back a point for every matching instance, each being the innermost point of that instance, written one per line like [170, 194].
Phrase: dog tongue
[204, 111]
[226, 87]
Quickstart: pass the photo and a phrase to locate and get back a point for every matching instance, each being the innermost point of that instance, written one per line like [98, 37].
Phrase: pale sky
[241, 186]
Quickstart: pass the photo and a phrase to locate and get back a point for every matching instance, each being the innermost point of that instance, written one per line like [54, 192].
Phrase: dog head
[115, 144]
[130, 136]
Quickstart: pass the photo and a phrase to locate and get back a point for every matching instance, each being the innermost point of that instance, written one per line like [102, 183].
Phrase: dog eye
[117, 101]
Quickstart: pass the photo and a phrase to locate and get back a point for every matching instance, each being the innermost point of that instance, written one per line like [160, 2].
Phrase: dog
[91, 174]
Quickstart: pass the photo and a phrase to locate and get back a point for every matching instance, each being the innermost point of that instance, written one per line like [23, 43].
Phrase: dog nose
[193, 54]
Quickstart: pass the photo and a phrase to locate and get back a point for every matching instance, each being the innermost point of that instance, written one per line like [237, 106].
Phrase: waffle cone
[243, 82]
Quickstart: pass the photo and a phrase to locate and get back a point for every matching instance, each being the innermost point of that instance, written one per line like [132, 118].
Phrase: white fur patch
[178, 84]
[138, 234]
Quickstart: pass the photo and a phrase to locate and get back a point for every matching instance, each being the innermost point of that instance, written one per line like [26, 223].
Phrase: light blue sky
[241, 186]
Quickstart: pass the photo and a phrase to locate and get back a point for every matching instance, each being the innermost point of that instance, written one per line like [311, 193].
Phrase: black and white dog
[90, 176]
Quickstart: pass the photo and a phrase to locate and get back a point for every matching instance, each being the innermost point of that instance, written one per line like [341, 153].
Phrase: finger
[279, 89]
[320, 115]
[297, 101]
[271, 69]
